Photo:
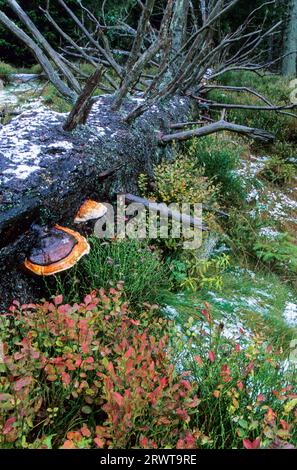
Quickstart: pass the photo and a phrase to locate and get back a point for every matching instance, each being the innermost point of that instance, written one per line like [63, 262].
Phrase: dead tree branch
[259, 135]
[83, 105]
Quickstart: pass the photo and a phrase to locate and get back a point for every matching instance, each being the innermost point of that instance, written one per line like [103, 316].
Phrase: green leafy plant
[278, 171]
[205, 273]
[280, 252]
[247, 391]
[219, 159]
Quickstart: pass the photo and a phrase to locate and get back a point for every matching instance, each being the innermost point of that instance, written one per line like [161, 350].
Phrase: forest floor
[239, 289]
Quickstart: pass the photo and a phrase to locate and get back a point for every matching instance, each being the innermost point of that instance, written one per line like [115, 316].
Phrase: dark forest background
[13, 51]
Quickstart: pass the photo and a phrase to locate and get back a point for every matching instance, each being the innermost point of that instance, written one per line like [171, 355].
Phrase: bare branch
[220, 126]
[40, 57]
[83, 105]
[103, 50]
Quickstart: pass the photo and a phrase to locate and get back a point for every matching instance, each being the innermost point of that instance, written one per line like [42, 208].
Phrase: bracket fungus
[59, 249]
[90, 210]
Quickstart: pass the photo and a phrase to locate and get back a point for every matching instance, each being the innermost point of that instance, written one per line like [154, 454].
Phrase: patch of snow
[22, 154]
[253, 195]
[22, 171]
[62, 144]
[269, 232]
[290, 313]
[138, 99]
[171, 311]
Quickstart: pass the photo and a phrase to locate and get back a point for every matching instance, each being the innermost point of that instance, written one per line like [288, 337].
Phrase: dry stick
[82, 52]
[208, 88]
[83, 105]
[166, 212]
[220, 126]
[103, 50]
[141, 31]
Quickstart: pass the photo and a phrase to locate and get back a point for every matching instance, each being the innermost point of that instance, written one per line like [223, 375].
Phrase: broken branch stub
[83, 105]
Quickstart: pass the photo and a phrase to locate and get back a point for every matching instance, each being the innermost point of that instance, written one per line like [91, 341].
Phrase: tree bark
[83, 105]
[290, 41]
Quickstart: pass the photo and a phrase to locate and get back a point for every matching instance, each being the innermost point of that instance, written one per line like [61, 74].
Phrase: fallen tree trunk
[46, 173]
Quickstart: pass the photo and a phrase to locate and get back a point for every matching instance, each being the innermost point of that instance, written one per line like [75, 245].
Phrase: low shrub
[191, 272]
[6, 69]
[180, 181]
[95, 375]
[278, 171]
[247, 387]
[91, 375]
[220, 159]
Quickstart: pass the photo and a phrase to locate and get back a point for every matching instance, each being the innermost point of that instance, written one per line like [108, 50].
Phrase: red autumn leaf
[270, 416]
[251, 444]
[182, 414]
[249, 368]
[129, 353]
[144, 443]
[99, 442]
[68, 445]
[118, 398]
[129, 366]
[284, 424]
[21, 383]
[58, 300]
[186, 384]
[207, 315]
[88, 299]
[240, 385]
[8, 426]
[237, 348]
[198, 360]
[163, 382]
[212, 356]
[85, 430]
[66, 378]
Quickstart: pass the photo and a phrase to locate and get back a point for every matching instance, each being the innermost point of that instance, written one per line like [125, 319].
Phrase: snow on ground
[290, 313]
[21, 154]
